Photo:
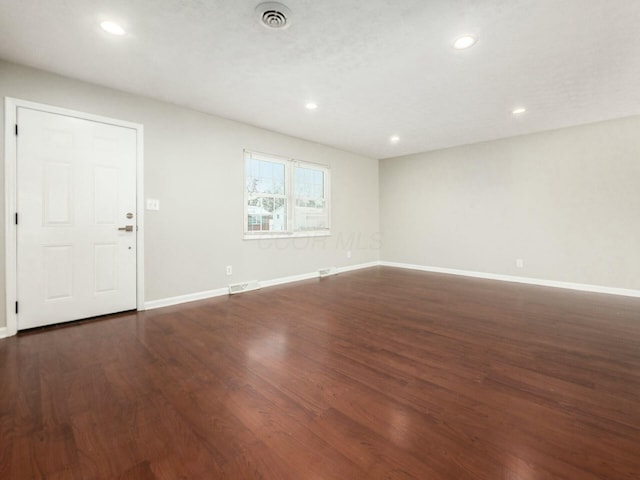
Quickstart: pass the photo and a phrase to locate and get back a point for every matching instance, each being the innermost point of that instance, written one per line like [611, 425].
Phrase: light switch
[153, 204]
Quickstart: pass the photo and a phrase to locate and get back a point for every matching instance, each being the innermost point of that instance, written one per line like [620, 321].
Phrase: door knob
[128, 228]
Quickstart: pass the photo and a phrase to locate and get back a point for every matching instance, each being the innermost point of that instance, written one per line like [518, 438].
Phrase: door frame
[11, 191]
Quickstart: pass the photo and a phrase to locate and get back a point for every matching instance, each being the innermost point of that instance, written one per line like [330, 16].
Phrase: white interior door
[76, 192]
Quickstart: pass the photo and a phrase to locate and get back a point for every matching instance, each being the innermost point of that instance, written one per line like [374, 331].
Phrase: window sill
[268, 236]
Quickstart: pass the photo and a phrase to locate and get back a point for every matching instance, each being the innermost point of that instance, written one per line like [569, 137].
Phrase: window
[285, 197]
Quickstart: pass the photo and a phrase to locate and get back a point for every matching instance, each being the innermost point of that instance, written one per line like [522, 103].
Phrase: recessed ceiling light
[394, 139]
[519, 111]
[112, 28]
[311, 106]
[463, 42]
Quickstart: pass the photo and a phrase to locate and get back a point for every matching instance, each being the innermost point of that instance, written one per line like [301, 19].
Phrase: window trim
[289, 164]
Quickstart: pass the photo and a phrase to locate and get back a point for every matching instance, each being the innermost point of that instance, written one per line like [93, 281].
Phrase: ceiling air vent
[273, 15]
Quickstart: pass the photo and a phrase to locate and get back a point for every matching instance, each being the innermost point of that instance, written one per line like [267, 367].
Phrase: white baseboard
[166, 302]
[515, 279]
[360, 266]
[4, 332]
[308, 276]
[291, 279]
[191, 297]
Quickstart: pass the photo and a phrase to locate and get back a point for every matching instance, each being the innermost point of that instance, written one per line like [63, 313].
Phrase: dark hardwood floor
[375, 374]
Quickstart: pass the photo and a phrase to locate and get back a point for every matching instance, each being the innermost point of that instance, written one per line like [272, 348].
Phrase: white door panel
[76, 183]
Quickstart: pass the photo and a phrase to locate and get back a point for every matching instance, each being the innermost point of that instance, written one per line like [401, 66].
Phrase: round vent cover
[273, 15]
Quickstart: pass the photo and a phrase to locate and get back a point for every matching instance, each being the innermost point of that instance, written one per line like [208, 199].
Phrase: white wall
[194, 165]
[566, 201]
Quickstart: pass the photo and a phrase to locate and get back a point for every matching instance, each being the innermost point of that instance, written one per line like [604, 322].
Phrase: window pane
[310, 212]
[308, 182]
[317, 203]
[265, 177]
[266, 214]
[309, 218]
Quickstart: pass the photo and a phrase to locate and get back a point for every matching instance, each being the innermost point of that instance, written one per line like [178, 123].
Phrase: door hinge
[16, 307]
[16, 129]
[16, 218]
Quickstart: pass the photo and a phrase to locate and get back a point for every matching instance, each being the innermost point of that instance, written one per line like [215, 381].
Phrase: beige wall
[194, 165]
[566, 201]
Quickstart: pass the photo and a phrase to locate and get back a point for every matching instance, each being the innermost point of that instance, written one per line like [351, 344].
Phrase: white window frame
[290, 198]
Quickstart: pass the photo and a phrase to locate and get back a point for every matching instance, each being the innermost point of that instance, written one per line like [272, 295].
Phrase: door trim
[10, 189]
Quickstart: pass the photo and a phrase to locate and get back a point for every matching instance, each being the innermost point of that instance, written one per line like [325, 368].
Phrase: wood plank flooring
[375, 374]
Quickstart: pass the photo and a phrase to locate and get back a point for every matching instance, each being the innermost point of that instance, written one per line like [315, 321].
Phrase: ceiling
[376, 68]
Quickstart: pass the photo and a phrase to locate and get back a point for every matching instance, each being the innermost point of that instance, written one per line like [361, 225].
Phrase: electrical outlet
[519, 263]
[348, 253]
[229, 270]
